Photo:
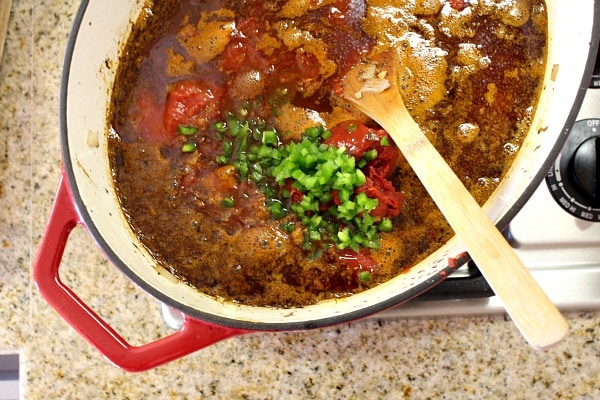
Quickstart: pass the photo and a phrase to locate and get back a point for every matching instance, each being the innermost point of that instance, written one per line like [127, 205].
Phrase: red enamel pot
[86, 196]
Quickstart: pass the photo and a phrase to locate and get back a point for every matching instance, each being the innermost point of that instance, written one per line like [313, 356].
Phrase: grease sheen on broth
[471, 75]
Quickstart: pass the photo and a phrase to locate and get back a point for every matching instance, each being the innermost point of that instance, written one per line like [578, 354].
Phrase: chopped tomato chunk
[458, 5]
[358, 139]
[191, 102]
[306, 64]
[378, 187]
[147, 116]
[357, 260]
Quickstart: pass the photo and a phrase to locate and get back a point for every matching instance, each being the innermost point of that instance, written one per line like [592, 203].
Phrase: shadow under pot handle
[194, 334]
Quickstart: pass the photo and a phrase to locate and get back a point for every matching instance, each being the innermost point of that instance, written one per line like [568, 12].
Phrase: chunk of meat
[209, 38]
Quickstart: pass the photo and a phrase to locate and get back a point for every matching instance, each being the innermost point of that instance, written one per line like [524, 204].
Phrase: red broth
[470, 77]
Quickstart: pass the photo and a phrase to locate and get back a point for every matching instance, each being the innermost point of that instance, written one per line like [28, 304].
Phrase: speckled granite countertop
[476, 357]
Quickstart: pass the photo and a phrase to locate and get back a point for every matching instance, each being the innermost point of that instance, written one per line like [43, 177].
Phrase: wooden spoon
[536, 317]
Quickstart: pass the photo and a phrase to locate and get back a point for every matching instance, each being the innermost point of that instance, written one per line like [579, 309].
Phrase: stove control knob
[584, 170]
[573, 179]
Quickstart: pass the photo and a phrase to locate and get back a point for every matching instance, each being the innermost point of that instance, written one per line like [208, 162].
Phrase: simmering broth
[470, 76]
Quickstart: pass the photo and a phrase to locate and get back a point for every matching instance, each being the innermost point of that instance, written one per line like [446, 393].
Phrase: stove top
[556, 233]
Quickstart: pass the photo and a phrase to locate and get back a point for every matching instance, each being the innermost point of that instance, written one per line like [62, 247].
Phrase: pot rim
[317, 322]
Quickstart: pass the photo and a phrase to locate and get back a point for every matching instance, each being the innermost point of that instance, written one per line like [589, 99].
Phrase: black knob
[584, 170]
[573, 179]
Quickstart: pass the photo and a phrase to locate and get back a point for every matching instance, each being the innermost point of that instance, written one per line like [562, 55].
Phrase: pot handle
[194, 334]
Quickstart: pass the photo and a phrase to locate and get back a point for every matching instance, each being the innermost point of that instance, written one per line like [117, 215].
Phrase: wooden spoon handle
[535, 315]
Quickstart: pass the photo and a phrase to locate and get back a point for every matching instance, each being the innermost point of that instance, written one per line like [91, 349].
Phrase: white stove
[556, 233]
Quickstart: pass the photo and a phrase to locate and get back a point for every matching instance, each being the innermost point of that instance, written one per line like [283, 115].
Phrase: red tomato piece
[359, 138]
[191, 102]
[458, 5]
[233, 56]
[378, 187]
[307, 65]
[147, 116]
[242, 51]
[356, 137]
[357, 261]
[295, 195]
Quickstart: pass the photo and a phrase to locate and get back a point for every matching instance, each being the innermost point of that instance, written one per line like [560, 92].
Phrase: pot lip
[321, 321]
[540, 175]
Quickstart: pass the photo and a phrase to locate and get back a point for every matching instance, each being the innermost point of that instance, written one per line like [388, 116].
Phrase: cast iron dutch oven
[86, 196]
